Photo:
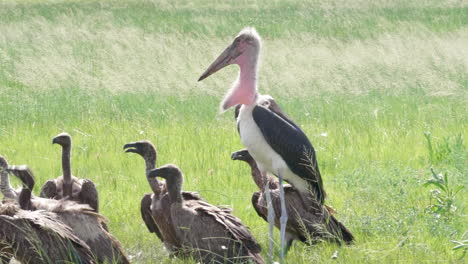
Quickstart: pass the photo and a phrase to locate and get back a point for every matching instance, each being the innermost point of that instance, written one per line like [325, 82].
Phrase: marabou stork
[276, 143]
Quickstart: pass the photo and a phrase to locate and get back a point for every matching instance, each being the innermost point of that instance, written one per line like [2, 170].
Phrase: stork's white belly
[267, 159]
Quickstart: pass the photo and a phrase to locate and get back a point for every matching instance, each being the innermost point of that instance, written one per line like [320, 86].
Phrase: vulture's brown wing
[38, 236]
[49, 190]
[89, 194]
[147, 216]
[235, 226]
[191, 196]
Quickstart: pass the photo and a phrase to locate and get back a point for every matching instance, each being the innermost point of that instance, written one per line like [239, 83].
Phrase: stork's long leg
[271, 221]
[283, 219]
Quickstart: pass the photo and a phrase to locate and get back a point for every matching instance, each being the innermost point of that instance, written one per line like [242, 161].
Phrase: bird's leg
[271, 220]
[283, 219]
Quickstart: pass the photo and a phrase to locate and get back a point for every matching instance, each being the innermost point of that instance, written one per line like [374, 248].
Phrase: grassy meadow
[379, 87]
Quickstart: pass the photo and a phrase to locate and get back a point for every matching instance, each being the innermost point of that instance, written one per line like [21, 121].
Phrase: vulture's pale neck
[260, 179]
[150, 162]
[5, 186]
[66, 163]
[257, 176]
[174, 188]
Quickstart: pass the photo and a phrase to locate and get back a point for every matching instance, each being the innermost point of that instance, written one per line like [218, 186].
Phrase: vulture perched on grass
[206, 232]
[68, 186]
[84, 222]
[309, 220]
[155, 207]
[38, 237]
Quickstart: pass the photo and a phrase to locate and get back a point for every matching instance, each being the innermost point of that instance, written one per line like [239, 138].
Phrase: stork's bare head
[63, 139]
[245, 46]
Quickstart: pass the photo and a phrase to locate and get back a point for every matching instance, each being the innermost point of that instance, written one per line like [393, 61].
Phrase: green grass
[364, 79]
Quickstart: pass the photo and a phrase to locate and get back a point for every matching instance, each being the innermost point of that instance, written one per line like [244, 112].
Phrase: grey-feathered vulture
[39, 237]
[68, 186]
[155, 207]
[207, 233]
[81, 218]
[309, 220]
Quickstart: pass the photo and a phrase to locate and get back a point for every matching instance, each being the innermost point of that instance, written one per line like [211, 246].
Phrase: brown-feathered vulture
[309, 221]
[206, 232]
[38, 237]
[84, 222]
[68, 186]
[155, 206]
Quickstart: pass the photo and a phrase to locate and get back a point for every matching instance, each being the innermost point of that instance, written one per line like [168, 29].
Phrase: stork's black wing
[288, 140]
[273, 107]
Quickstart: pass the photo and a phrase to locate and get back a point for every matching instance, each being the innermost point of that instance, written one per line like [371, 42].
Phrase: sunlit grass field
[368, 81]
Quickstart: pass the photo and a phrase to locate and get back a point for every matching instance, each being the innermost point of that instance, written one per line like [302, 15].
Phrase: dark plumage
[206, 232]
[275, 130]
[39, 237]
[155, 207]
[308, 219]
[68, 186]
[269, 102]
[81, 218]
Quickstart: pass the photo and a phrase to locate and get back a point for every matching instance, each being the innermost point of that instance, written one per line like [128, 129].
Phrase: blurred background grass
[364, 79]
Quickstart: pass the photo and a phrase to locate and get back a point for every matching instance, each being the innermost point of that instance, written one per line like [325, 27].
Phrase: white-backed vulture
[206, 232]
[81, 218]
[155, 207]
[309, 220]
[68, 186]
[38, 237]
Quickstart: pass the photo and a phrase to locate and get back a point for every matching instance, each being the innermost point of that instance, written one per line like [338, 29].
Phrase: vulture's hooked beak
[240, 155]
[131, 147]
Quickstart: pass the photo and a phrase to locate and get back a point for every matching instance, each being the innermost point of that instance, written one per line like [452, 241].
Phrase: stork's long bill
[244, 51]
